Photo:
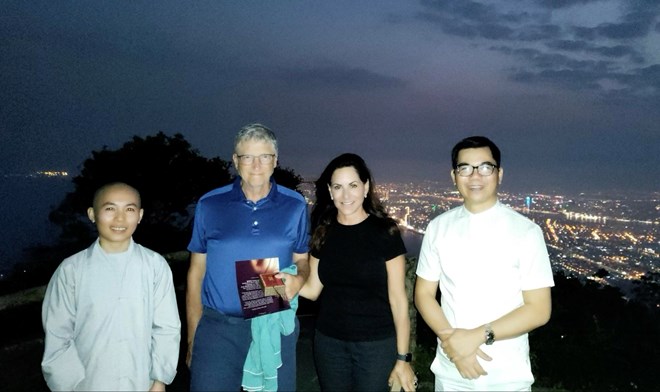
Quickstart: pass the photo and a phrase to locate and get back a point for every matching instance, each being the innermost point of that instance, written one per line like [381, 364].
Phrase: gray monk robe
[111, 321]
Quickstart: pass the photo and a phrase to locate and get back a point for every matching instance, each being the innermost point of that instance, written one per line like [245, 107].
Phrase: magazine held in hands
[259, 290]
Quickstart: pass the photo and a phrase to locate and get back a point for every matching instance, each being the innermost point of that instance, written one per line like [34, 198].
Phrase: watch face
[406, 357]
[490, 337]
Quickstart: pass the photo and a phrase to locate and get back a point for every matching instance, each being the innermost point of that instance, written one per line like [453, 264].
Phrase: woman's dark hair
[324, 211]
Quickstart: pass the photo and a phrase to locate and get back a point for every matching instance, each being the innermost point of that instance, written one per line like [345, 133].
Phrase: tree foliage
[596, 340]
[647, 290]
[287, 177]
[170, 176]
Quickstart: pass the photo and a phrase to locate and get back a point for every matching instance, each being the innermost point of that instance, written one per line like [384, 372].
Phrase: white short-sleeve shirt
[483, 262]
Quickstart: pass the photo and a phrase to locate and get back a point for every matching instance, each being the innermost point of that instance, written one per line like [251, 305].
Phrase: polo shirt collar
[238, 195]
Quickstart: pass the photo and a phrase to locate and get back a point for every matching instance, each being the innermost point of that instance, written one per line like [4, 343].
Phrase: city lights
[584, 234]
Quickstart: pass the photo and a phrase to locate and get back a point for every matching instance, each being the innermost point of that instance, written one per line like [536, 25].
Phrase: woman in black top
[357, 263]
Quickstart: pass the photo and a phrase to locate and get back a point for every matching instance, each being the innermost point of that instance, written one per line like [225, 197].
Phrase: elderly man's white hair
[255, 132]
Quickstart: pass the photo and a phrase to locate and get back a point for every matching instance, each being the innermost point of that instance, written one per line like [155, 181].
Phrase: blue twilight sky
[569, 89]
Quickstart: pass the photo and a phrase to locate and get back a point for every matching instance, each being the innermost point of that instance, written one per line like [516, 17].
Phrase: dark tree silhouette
[596, 340]
[170, 176]
[601, 273]
[287, 177]
[647, 290]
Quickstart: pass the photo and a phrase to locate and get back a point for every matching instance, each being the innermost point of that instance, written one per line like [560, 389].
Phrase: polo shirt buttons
[255, 228]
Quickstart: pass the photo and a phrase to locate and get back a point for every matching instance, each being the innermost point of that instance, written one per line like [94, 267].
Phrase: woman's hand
[404, 374]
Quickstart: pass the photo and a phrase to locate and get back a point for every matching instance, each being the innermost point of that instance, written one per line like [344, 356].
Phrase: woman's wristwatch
[404, 357]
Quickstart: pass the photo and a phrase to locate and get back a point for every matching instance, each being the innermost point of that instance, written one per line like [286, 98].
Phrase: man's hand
[461, 346]
[157, 386]
[194, 306]
[469, 367]
[189, 354]
[460, 343]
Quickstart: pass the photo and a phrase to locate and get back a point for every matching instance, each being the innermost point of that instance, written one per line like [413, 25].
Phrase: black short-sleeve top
[354, 304]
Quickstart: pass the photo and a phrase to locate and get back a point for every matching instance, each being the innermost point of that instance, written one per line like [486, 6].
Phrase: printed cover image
[250, 290]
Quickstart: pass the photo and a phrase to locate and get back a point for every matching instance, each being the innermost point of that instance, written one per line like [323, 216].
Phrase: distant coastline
[412, 240]
[27, 201]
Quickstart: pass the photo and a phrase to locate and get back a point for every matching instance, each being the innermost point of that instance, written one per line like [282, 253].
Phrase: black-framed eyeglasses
[264, 159]
[485, 169]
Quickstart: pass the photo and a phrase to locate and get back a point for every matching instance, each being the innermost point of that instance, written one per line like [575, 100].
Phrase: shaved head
[98, 195]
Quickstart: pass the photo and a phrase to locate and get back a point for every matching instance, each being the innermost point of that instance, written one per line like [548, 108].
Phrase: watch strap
[490, 335]
[404, 357]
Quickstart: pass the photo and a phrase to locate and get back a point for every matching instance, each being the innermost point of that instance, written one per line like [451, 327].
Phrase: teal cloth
[264, 356]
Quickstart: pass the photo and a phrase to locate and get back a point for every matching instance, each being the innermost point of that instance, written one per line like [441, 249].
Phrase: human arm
[431, 311]
[396, 290]
[165, 329]
[157, 386]
[293, 283]
[61, 365]
[428, 306]
[535, 312]
[313, 286]
[196, 273]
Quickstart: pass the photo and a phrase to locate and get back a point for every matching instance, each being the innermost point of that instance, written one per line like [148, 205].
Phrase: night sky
[569, 89]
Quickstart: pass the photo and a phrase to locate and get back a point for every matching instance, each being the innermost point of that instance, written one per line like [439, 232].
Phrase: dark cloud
[465, 9]
[637, 22]
[553, 4]
[473, 19]
[568, 45]
[572, 79]
[575, 74]
[554, 61]
[485, 20]
[79, 75]
[538, 32]
[646, 80]
[639, 86]
[460, 28]
[340, 77]
[616, 51]
[557, 69]
[575, 57]
[626, 30]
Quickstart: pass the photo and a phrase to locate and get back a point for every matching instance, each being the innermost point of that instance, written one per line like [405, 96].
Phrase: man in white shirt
[492, 268]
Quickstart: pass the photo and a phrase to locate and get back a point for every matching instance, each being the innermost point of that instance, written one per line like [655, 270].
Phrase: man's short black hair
[474, 142]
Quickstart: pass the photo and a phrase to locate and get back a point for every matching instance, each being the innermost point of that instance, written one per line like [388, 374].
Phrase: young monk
[110, 313]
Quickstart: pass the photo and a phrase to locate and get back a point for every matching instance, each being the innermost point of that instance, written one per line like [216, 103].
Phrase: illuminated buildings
[585, 235]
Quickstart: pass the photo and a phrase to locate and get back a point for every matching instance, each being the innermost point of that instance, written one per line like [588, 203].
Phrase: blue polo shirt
[228, 228]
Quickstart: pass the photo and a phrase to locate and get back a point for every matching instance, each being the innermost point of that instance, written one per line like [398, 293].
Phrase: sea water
[26, 203]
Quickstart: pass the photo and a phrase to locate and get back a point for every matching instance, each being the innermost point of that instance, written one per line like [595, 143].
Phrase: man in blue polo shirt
[252, 218]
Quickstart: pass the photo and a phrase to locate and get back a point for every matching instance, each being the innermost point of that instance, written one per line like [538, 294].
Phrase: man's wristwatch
[490, 335]
[404, 357]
